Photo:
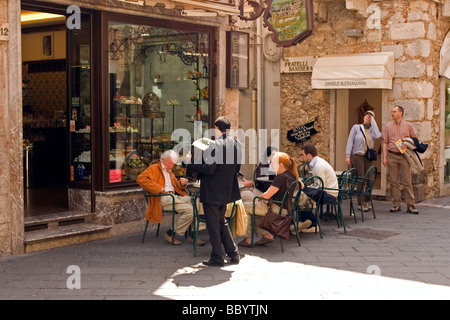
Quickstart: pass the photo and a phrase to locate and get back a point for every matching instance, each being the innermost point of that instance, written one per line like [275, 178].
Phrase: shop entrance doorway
[350, 108]
[44, 112]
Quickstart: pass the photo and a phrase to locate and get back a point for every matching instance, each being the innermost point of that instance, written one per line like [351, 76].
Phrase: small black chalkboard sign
[302, 133]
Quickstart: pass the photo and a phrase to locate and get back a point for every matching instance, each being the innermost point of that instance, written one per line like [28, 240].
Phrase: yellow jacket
[240, 219]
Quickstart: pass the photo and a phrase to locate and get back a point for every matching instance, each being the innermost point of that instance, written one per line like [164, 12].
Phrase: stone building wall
[11, 148]
[413, 30]
[4, 154]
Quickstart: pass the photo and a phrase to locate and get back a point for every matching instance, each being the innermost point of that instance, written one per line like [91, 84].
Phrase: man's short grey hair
[169, 154]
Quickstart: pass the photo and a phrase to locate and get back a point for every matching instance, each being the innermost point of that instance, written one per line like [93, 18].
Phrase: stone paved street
[415, 264]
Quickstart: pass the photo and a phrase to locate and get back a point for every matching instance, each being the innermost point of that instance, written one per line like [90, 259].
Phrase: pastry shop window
[159, 80]
[447, 134]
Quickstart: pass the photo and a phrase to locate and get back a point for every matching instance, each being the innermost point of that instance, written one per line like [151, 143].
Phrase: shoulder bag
[370, 154]
[275, 223]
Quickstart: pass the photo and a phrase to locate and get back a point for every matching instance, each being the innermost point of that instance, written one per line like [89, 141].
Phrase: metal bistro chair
[336, 205]
[199, 218]
[255, 181]
[367, 184]
[254, 175]
[173, 212]
[317, 183]
[296, 188]
[196, 221]
[305, 170]
[352, 175]
[340, 177]
[290, 190]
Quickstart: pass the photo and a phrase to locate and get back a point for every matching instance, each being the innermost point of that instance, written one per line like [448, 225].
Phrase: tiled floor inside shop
[45, 200]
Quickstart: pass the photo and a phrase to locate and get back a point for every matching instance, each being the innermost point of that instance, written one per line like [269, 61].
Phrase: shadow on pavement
[338, 266]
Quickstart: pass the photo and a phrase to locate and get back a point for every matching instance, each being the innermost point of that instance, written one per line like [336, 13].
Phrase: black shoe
[235, 260]
[395, 209]
[413, 210]
[210, 263]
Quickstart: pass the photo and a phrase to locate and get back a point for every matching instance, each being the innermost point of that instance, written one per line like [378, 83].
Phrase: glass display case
[132, 137]
[159, 81]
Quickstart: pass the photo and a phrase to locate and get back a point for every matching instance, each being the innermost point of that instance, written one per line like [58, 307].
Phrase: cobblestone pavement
[414, 264]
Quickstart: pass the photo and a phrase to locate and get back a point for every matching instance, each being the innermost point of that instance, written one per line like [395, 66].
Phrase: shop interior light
[34, 16]
[198, 13]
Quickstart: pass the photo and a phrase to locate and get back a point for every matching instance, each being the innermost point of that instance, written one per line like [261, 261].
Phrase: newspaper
[202, 143]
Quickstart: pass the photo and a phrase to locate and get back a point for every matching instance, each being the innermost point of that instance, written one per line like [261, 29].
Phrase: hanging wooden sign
[237, 62]
[291, 21]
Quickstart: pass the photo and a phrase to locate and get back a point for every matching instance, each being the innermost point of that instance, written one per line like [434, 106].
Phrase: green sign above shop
[291, 21]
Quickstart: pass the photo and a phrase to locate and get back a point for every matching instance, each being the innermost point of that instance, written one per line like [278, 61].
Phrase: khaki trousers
[186, 213]
[247, 194]
[399, 171]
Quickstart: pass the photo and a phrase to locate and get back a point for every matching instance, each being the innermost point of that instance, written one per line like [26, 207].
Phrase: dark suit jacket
[218, 171]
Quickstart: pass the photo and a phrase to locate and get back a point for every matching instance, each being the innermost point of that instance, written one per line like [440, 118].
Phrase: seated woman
[286, 173]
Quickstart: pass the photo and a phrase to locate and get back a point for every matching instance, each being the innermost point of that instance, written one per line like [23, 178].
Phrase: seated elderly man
[158, 178]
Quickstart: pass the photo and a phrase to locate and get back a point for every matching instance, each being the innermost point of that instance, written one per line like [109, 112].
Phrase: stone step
[63, 236]
[55, 220]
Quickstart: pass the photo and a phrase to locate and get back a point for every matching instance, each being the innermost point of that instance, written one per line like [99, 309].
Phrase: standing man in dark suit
[219, 186]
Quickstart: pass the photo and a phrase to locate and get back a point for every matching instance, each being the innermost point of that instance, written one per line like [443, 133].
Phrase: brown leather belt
[396, 153]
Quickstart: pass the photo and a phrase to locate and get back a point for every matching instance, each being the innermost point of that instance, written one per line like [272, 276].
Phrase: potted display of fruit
[134, 166]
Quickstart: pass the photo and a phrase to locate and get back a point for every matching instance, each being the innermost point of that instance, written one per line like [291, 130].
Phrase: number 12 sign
[4, 31]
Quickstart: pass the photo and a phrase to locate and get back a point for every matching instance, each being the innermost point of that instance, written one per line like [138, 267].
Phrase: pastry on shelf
[128, 99]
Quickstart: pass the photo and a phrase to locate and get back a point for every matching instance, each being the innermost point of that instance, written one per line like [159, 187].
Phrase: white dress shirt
[168, 187]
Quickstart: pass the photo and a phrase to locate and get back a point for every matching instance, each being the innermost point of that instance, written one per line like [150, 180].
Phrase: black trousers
[219, 232]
